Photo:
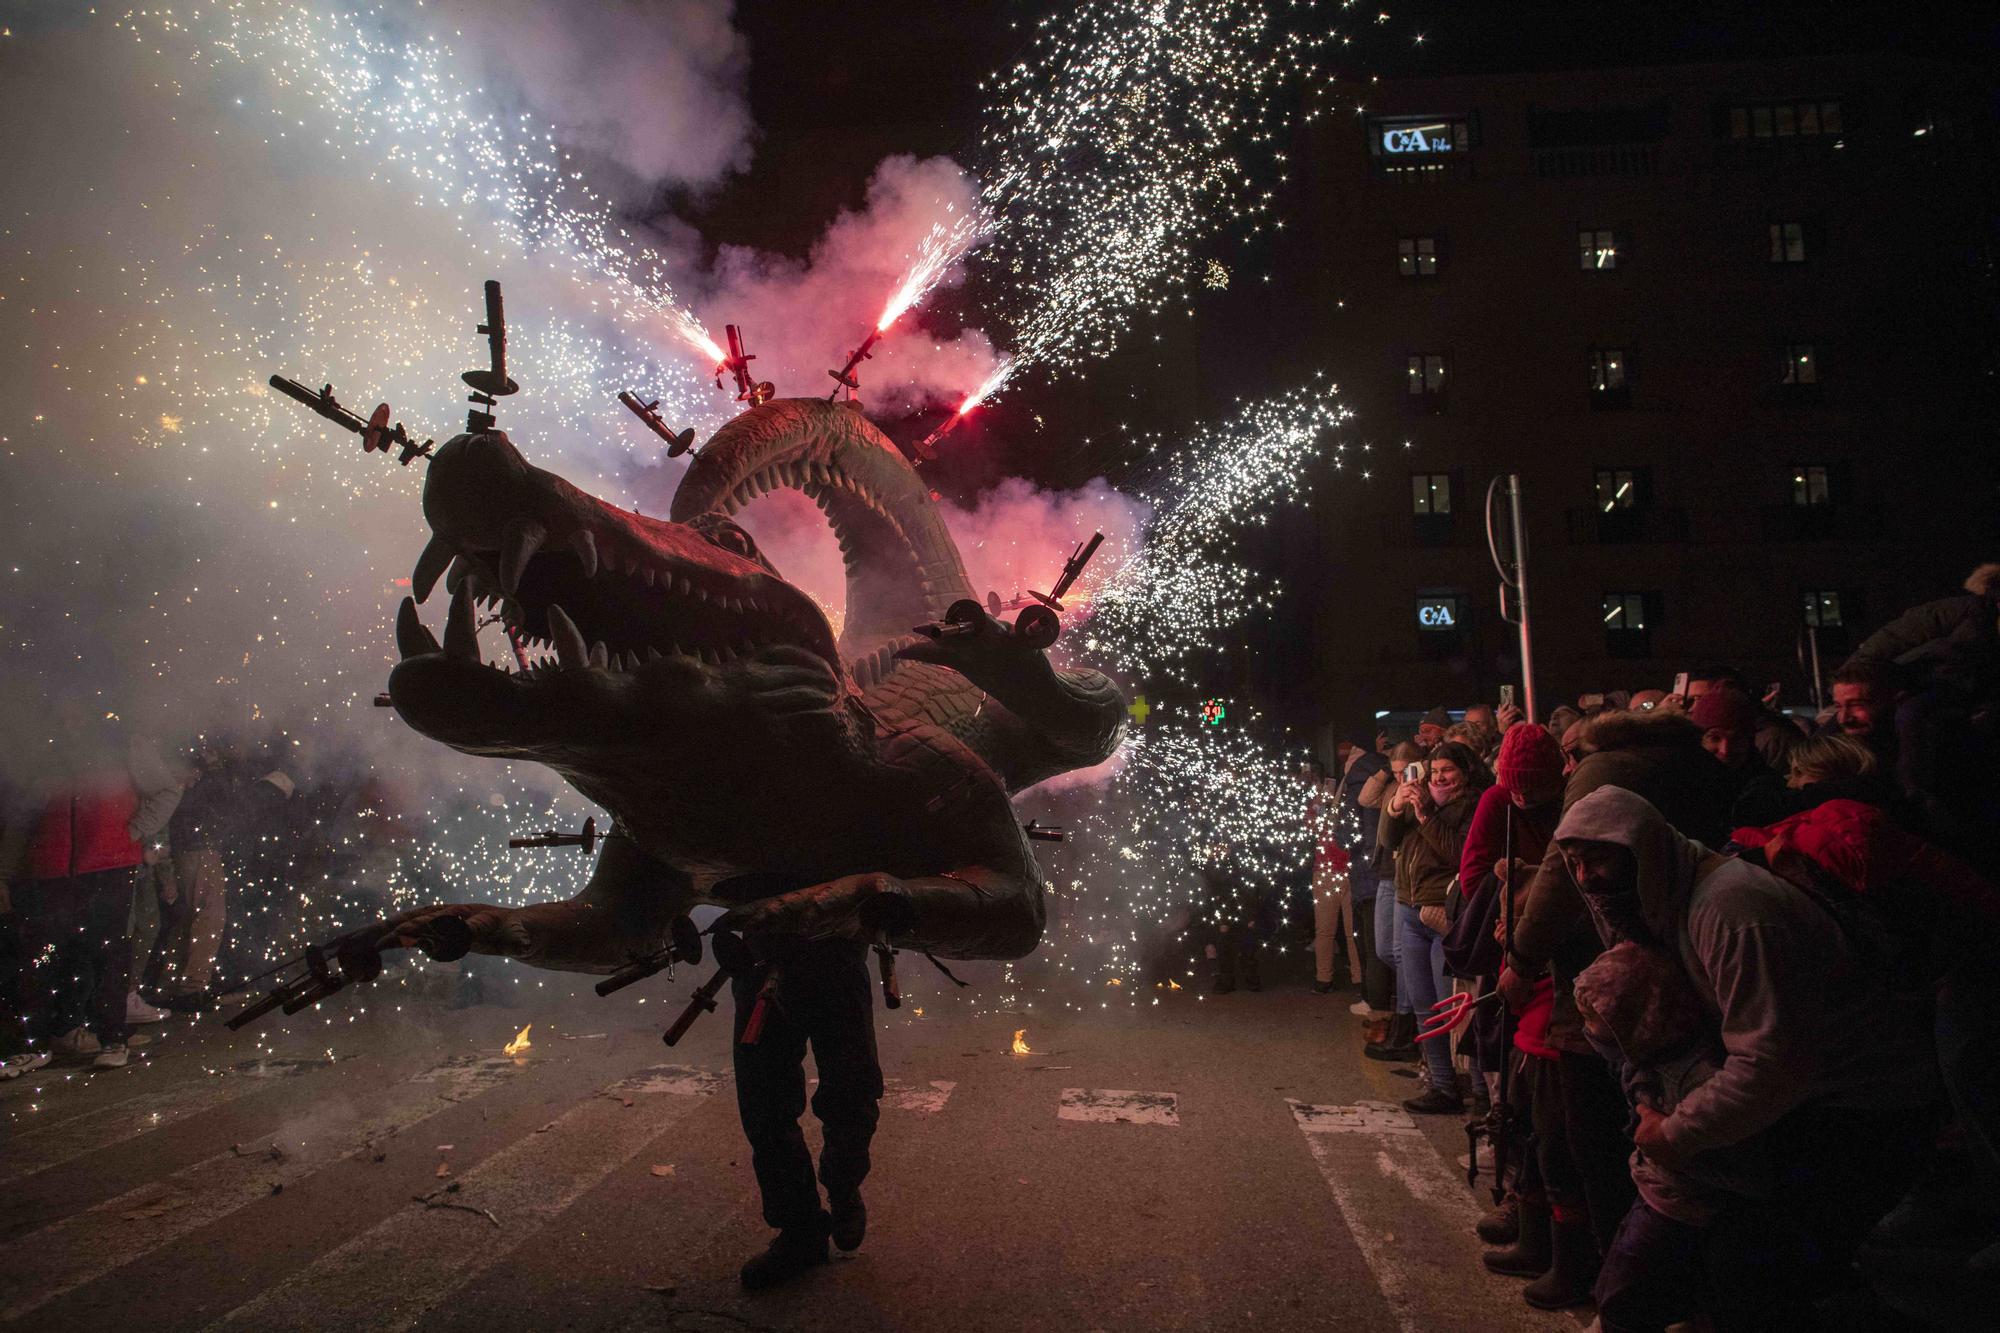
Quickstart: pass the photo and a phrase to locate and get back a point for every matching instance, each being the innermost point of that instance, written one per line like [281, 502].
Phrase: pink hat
[1725, 710]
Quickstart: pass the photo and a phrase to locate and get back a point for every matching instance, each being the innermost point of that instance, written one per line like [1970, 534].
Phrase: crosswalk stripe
[63, 1256]
[1422, 1257]
[437, 1247]
[35, 1150]
[1118, 1106]
[927, 1100]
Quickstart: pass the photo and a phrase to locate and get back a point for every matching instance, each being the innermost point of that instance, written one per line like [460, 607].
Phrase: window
[1597, 248]
[1608, 384]
[1430, 492]
[1628, 621]
[1440, 613]
[1617, 488]
[1810, 488]
[1800, 365]
[1426, 379]
[1788, 242]
[1417, 257]
[1823, 610]
[1785, 120]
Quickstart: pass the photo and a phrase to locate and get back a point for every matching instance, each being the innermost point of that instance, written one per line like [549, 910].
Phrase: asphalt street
[1165, 1161]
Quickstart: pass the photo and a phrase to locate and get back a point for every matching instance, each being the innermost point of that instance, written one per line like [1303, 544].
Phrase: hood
[1666, 860]
[1634, 731]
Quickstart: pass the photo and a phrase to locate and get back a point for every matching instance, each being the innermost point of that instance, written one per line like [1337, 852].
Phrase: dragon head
[666, 635]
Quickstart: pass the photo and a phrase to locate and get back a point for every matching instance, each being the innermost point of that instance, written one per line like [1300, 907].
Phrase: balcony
[1626, 527]
[1821, 523]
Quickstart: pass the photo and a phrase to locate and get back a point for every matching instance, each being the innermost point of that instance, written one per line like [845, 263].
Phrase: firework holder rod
[1513, 580]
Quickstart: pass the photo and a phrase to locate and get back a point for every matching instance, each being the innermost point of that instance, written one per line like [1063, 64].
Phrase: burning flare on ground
[1021, 1042]
[520, 1042]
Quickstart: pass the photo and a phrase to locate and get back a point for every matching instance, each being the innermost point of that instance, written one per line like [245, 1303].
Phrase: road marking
[37, 1149]
[61, 1257]
[391, 1275]
[1118, 1106]
[929, 1100]
[1422, 1256]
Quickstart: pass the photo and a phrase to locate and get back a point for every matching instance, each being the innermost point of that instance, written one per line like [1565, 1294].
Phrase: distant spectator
[1430, 731]
[1424, 823]
[1728, 721]
[1952, 643]
[1333, 903]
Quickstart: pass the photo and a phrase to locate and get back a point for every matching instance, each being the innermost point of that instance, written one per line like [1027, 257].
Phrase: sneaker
[27, 1063]
[138, 1011]
[114, 1056]
[78, 1041]
[1361, 1009]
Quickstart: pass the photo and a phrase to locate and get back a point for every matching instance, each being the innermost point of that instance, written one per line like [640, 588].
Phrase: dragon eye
[732, 539]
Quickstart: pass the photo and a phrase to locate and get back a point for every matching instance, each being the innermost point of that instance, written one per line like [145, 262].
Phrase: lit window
[1617, 489]
[1809, 486]
[1625, 611]
[1785, 120]
[1426, 372]
[1597, 248]
[1607, 370]
[1430, 492]
[1800, 365]
[1417, 257]
[1788, 243]
[1823, 610]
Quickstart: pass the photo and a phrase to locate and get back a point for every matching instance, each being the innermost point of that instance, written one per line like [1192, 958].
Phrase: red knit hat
[1725, 710]
[1528, 754]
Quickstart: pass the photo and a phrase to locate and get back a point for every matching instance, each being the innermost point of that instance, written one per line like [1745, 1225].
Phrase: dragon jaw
[655, 626]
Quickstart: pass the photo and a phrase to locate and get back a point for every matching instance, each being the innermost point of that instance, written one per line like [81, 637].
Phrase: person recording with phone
[1425, 823]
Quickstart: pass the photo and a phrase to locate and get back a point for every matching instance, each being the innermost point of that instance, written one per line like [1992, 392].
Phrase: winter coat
[1657, 755]
[1954, 641]
[1362, 850]
[84, 827]
[1427, 853]
[1804, 1019]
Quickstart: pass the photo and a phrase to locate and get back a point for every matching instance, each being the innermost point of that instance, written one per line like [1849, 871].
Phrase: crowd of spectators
[1725, 971]
[140, 878]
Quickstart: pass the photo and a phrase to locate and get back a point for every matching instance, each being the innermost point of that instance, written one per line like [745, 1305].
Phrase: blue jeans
[1385, 938]
[1421, 971]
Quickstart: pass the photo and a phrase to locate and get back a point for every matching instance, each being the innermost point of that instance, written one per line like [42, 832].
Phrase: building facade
[1732, 325]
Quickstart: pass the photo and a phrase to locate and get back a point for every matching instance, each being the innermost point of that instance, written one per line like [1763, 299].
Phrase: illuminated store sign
[1438, 614]
[1419, 137]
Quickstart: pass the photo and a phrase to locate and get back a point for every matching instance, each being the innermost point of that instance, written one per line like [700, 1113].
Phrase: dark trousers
[1595, 1115]
[1652, 1274]
[826, 999]
[75, 933]
[1555, 1171]
[1838, 1172]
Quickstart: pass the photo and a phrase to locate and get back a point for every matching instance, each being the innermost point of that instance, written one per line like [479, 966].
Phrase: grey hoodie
[1803, 1020]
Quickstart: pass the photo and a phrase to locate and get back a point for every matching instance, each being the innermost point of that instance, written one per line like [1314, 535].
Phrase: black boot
[1502, 1226]
[1399, 1044]
[1434, 1101]
[1573, 1271]
[1529, 1255]
[850, 1220]
[790, 1254]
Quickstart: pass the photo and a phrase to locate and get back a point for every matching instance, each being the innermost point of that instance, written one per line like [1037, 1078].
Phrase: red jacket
[83, 829]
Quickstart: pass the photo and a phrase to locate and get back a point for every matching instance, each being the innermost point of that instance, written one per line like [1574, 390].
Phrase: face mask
[1620, 915]
[1441, 793]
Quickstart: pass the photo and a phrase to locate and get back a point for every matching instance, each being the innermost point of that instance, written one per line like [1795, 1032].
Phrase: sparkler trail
[1130, 132]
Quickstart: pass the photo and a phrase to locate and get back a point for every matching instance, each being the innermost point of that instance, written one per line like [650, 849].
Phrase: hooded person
[1658, 754]
[1819, 1050]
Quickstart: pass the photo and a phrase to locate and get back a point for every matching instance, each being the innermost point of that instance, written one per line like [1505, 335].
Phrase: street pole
[1514, 580]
